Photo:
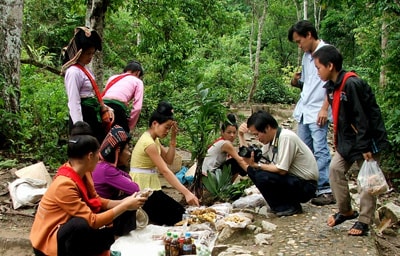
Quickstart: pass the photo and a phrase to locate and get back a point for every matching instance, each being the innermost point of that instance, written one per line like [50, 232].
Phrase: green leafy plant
[236, 190]
[217, 183]
[204, 112]
[272, 90]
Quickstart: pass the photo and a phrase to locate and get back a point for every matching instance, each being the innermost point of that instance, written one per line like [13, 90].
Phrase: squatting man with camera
[286, 172]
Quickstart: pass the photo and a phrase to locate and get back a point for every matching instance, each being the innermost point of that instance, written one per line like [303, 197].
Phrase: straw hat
[35, 171]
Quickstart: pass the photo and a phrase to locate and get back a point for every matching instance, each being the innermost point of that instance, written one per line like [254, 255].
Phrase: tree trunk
[253, 16]
[261, 22]
[95, 19]
[298, 14]
[317, 14]
[10, 54]
[197, 187]
[305, 11]
[384, 42]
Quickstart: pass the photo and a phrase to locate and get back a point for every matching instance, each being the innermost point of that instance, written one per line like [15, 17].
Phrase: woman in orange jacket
[71, 218]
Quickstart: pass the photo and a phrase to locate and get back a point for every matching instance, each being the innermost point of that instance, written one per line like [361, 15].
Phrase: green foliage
[204, 112]
[236, 190]
[42, 123]
[217, 183]
[271, 90]
[8, 163]
[187, 42]
[51, 24]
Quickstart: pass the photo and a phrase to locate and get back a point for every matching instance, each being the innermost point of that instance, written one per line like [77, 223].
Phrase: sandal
[340, 218]
[359, 226]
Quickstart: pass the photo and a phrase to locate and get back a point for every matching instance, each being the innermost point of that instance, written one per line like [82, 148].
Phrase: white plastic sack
[26, 191]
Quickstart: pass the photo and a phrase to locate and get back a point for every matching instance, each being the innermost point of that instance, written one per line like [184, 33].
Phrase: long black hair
[163, 113]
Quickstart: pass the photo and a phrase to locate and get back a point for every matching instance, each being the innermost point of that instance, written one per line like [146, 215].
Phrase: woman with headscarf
[110, 179]
[84, 99]
[72, 219]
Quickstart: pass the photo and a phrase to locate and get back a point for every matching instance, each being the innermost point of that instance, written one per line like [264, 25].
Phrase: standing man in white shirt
[312, 111]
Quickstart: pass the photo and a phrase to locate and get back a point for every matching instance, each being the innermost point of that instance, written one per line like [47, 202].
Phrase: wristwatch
[259, 165]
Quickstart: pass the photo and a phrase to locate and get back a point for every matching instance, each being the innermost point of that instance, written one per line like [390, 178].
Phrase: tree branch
[40, 65]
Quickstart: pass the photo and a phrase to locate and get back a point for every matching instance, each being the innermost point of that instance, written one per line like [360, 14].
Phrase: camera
[246, 152]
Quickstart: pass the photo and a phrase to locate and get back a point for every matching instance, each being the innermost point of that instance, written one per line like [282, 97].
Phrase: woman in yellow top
[148, 156]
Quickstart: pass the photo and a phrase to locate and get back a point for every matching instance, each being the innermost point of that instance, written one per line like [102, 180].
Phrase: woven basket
[176, 164]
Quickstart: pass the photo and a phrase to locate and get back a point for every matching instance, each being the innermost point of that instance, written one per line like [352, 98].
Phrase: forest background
[199, 55]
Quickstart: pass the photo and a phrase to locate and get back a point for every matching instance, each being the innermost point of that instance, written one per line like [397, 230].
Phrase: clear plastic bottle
[188, 244]
[174, 248]
[167, 243]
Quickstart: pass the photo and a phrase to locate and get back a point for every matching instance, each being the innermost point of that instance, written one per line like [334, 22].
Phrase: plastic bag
[371, 179]
[142, 219]
[250, 201]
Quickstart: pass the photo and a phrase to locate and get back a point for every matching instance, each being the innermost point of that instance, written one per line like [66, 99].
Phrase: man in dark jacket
[359, 134]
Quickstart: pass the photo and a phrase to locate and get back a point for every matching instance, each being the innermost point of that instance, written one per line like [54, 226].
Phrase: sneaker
[324, 199]
[289, 212]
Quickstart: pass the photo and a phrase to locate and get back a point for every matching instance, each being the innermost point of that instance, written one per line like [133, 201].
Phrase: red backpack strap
[93, 82]
[336, 103]
[114, 81]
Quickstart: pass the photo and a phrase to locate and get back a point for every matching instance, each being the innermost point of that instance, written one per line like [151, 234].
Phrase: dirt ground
[15, 227]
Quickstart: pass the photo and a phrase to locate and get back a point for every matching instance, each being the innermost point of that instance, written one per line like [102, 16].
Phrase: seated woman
[222, 152]
[148, 156]
[110, 179]
[71, 218]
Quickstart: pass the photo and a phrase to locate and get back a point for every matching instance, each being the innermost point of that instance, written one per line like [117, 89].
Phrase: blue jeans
[315, 137]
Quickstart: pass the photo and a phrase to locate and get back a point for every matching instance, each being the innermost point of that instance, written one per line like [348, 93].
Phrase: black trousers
[77, 238]
[124, 223]
[90, 116]
[235, 167]
[162, 209]
[282, 192]
[120, 116]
